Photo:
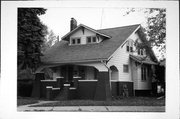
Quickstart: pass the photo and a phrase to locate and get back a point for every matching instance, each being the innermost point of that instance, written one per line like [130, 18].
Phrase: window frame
[129, 46]
[91, 39]
[141, 52]
[76, 41]
[125, 68]
[143, 73]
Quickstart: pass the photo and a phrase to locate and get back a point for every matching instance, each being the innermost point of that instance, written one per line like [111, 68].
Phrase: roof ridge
[117, 27]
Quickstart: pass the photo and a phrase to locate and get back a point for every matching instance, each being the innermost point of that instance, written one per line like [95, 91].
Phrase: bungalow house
[96, 64]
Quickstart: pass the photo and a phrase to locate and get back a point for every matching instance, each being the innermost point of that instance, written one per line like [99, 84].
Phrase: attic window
[91, 39]
[129, 46]
[140, 51]
[75, 41]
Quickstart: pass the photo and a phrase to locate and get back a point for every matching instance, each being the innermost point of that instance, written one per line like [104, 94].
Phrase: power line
[102, 16]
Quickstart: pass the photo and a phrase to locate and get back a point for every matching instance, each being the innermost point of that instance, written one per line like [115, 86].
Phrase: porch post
[60, 82]
[103, 91]
[36, 92]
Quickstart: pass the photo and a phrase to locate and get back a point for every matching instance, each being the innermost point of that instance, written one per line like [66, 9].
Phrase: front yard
[131, 101]
[26, 100]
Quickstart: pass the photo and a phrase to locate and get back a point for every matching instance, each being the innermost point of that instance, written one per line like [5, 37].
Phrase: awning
[142, 60]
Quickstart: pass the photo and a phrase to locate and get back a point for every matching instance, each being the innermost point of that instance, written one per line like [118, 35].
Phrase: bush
[24, 87]
[25, 82]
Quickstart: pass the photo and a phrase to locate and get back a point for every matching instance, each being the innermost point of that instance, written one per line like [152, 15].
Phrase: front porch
[72, 81]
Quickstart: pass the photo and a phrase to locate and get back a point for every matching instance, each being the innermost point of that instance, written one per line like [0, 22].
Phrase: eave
[81, 25]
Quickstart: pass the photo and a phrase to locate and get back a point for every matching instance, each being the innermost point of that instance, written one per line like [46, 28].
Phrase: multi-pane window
[75, 41]
[129, 46]
[125, 68]
[91, 39]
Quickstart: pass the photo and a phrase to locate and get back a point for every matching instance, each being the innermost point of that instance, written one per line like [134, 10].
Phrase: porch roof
[62, 52]
[142, 60]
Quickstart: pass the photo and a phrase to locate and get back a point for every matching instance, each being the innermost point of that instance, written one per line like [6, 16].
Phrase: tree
[31, 34]
[50, 40]
[155, 28]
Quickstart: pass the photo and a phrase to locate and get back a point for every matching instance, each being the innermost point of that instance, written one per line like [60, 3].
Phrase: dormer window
[91, 39]
[75, 41]
[129, 46]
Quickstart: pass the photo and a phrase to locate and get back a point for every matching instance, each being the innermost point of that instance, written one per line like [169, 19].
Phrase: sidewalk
[92, 108]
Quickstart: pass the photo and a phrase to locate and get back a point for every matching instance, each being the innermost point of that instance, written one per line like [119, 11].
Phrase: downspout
[108, 71]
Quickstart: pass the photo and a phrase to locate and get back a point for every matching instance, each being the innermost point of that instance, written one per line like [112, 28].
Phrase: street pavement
[91, 108]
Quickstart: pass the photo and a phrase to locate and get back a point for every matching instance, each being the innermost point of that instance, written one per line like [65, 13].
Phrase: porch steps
[63, 94]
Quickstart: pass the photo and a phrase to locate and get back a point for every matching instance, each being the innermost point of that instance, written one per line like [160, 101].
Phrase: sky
[58, 19]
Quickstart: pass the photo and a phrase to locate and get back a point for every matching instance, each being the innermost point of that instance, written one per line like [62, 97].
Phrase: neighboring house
[98, 64]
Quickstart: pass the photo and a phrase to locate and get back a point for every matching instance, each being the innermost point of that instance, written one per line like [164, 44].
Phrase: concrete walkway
[92, 108]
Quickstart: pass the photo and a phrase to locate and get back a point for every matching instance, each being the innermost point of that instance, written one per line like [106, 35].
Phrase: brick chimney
[73, 24]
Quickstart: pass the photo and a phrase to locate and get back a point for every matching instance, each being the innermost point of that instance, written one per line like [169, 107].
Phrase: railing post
[49, 92]
[60, 82]
[66, 91]
[36, 92]
[75, 79]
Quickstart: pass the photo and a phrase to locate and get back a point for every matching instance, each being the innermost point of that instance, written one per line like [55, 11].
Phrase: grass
[26, 100]
[131, 101]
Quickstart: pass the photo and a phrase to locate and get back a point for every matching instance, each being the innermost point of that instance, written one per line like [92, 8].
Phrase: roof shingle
[61, 52]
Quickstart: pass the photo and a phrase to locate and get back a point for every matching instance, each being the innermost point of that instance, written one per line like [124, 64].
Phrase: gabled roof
[84, 26]
[142, 60]
[62, 52]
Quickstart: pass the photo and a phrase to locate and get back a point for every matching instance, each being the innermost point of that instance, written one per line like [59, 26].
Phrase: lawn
[131, 101]
[26, 100]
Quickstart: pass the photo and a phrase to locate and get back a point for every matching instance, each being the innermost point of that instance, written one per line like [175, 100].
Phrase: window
[94, 39]
[91, 39]
[140, 51]
[125, 68]
[78, 41]
[131, 49]
[88, 39]
[129, 46]
[143, 73]
[75, 41]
